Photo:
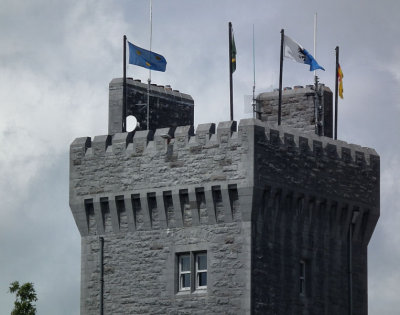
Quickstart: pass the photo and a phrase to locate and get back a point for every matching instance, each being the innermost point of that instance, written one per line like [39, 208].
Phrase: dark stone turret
[168, 108]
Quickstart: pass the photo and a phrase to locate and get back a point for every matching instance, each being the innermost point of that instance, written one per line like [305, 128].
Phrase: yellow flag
[340, 78]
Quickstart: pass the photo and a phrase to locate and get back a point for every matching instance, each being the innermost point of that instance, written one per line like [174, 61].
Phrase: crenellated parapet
[318, 164]
[177, 177]
[148, 143]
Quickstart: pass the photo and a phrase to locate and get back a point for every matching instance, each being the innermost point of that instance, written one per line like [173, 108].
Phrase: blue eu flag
[146, 59]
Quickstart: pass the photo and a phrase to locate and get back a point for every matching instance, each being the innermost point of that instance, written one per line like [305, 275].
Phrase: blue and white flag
[297, 53]
[146, 59]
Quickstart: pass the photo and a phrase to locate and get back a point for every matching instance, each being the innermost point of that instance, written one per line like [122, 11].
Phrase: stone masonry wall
[143, 160]
[290, 230]
[152, 198]
[316, 165]
[298, 110]
[140, 271]
[257, 199]
[306, 193]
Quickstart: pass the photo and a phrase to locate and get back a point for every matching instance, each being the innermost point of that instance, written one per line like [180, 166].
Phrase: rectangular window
[201, 270]
[192, 271]
[184, 272]
[302, 277]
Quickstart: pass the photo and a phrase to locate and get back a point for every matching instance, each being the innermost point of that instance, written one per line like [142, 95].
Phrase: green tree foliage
[25, 296]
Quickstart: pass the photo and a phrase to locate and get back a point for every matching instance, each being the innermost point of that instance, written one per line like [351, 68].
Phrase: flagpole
[230, 72]
[315, 40]
[124, 88]
[336, 90]
[254, 79]
[151, 29]
[149, 80]
[280, 78]
[318, 130]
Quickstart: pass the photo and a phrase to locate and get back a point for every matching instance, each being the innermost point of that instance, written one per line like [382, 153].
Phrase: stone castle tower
[248, 218]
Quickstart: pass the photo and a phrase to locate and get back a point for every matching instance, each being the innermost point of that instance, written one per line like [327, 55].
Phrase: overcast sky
[58, 57]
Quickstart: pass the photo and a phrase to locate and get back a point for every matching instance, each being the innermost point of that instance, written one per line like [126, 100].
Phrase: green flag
[233, 54]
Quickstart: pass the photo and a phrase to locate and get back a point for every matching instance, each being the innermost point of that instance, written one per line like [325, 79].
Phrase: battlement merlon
[254, 155]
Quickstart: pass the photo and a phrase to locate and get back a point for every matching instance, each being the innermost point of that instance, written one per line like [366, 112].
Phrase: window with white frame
[192, 271]
[201, 270]
[184, 272]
